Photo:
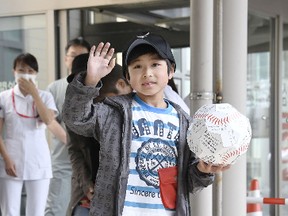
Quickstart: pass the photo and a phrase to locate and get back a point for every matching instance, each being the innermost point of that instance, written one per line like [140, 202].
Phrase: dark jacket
[84, 156]
[110, 123]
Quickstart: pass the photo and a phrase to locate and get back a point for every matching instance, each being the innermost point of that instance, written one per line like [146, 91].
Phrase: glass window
[284, 122]
[22, 34]
[259, 104]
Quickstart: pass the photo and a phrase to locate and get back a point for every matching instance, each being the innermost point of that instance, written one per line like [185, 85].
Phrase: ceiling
[169, 17]
[173, 15]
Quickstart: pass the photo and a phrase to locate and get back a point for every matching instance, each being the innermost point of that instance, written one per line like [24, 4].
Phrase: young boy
[140, 134]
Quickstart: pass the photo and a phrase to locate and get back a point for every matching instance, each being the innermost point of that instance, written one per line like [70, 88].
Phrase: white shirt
[25, 138]
[171, 95]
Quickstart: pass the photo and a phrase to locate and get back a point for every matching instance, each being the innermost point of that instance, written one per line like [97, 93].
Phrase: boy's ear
[120, 84]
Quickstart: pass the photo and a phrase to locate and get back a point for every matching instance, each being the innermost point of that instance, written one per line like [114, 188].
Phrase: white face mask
[26, 76]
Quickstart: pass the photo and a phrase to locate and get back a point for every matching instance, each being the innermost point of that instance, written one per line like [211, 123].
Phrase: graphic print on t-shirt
[151, 156]
[155, 134]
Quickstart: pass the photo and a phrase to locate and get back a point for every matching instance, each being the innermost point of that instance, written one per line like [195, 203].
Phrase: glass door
[259, 83]
[284, 122]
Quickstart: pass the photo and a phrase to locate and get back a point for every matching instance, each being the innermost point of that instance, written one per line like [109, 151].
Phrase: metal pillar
[234, 92]
[218, 70]
[201, 43]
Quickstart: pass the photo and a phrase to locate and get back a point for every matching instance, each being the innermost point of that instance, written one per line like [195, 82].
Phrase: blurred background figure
[171, 93]
[24, 113]
[60, 185]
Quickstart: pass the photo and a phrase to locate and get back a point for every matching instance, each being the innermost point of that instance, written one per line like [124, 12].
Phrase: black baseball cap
[156, 41]
[79, 64]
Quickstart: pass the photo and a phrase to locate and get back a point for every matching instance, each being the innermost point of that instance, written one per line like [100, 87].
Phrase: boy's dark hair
[79, 64]
[173, 85]
[77, 42]
[157, 45]
[109, 81]
[28, 59]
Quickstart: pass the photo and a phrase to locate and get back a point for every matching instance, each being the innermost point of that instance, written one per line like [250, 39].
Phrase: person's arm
[79, 112]
[58, 131]
[9, 164]
[27, 86]
[46, 115]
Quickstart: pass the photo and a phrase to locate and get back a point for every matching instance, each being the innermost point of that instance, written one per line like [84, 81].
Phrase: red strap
[22, 115]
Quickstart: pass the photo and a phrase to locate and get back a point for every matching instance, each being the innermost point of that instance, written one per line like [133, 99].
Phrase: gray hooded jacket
[110, 123]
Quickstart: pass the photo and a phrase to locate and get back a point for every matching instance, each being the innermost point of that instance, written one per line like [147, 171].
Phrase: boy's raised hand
[100, 63]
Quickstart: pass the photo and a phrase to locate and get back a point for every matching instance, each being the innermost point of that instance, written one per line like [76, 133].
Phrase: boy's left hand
[100, 63]
[210, 168]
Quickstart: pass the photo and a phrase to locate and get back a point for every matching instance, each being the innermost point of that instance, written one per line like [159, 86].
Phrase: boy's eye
[155, 64]
[137, 66]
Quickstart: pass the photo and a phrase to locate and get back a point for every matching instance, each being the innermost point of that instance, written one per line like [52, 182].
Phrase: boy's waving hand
[100, 63]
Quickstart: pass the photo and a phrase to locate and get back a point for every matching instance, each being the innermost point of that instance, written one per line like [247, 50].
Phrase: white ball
[219, 134]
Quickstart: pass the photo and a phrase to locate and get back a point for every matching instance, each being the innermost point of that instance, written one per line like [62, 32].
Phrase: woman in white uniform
[25, 159]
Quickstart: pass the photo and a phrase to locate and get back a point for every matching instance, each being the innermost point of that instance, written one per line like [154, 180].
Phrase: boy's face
[149, 76]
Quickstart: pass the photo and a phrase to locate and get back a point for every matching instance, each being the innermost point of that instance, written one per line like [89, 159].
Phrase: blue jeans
[81, 211]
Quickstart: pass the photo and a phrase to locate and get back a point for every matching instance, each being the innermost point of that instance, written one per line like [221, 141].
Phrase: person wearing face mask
[25, 111]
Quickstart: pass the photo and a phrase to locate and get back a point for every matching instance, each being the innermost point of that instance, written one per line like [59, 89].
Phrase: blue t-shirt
[155, 136]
